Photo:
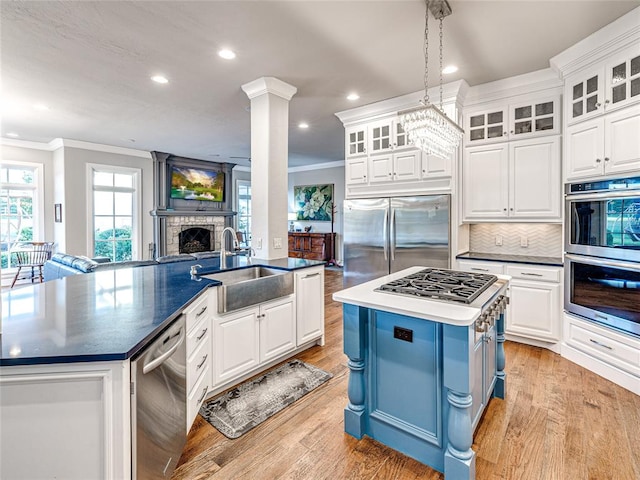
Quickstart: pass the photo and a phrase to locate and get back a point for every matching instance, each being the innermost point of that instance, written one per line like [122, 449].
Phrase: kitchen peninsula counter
[106, 315]
[500, 257]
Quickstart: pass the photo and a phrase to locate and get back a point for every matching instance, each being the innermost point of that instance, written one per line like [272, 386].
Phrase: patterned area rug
[252, 402]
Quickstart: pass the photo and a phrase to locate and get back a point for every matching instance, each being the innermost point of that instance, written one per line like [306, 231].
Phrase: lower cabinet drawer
[551, 274]
[481, 267]
[197, 395]
[605, 345]
[198, 361]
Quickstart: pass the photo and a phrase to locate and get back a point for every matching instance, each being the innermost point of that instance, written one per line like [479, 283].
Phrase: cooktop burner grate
[439, 284]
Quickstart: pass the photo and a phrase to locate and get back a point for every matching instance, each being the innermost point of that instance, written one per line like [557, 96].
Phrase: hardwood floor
[558, 422]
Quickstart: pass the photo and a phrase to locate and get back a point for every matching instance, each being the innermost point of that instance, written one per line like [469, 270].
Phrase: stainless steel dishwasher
[159, 404]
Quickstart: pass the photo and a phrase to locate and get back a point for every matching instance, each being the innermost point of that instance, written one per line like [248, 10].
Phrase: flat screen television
[197, 184]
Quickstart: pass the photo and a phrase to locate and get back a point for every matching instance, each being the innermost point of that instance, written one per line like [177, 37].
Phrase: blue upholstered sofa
[62, 265]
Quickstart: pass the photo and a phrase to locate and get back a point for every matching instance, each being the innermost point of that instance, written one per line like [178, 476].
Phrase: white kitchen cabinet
[356, 170]
[604, 87]
[309, 284]
[486, 126]
[535, 299]
[434, 166]
[237, 343]
[386, 135]
[534, 117]
[607, 145]
[277, 328]
[395, 167]
[356, 141]
[515, 181]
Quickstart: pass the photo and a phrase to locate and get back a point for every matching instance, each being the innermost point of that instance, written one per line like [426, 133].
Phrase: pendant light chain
[426, 53]
[441, 17]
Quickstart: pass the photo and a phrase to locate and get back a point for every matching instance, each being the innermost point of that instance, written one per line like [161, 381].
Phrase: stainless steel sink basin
[250, 286]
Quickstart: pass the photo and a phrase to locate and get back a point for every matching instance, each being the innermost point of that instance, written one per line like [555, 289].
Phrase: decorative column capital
[271, 85]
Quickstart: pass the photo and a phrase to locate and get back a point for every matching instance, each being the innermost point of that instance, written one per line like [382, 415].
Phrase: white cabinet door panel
[622, 140]
[585, 149]
[486, 181]
[535, 310]
[277, 328]
[237, 347]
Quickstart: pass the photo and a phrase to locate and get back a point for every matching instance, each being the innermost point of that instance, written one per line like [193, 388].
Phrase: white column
[269, 157]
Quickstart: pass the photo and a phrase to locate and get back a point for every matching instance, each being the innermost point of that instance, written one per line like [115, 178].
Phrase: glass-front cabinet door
[623, 78]
[380, 136]
[585, 96]
[356, 140]
[486, 126]
[534, 118]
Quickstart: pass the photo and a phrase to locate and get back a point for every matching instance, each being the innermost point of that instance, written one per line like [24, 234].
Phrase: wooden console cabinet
[311, 246]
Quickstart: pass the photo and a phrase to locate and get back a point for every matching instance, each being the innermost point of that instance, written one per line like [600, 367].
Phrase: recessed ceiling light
[12, 135]
[303, 125]
[40, 106]
[227, 54]
[449, 69]
[160, 79]
[353, 96]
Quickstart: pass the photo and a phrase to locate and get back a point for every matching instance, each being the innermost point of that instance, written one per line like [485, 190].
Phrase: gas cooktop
[448, 285]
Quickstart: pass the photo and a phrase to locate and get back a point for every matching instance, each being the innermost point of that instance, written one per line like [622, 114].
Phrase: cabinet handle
[598, 160]
[504, 133]
[389, 173]
[201, 336]
[606, 159]
[531, 274]
[204, 309]
[504, 209]
[204, 393]
[480, 269]
[204, 359]
[600, 344]
[312, 275]
[598, 105]
[511, 132]
[511, 209]
[606, 102]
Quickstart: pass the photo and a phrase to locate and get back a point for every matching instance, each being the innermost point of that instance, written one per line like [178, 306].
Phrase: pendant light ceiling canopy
[427, 126]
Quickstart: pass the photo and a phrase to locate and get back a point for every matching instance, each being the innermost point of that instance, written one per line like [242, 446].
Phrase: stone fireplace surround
[170, 216]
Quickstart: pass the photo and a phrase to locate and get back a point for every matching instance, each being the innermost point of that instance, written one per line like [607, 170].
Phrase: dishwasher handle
[156, 362]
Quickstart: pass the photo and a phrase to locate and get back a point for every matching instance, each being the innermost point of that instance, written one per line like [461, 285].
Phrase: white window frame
[236, 203]
[136, 234]
[38, 198]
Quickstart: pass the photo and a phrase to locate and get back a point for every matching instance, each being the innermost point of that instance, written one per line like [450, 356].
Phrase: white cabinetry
[356, 171]
[249, 337]
[607, 145]
[535, 302]
[355, 141]
[199, 352]
[395, 166]
[524, 117]
[613, 83]
[534, 298]
[519, 180]
[277, 328]
[68, 421]
[309, 284]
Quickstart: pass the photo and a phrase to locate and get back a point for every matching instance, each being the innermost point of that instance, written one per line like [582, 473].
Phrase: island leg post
[355, 325]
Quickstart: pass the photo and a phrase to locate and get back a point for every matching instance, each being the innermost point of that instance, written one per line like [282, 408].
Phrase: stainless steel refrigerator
[386, 235]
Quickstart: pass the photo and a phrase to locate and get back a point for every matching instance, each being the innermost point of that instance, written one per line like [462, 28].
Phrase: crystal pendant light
[427, 126]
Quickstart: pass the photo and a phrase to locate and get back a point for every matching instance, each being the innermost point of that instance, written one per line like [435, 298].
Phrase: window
[115, 199]
[20, 207]
[243, 218]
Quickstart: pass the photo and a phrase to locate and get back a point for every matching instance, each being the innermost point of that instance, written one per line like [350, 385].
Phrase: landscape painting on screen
[197, 184]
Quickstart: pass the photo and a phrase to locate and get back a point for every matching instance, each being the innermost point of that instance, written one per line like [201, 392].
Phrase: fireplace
[195, 239]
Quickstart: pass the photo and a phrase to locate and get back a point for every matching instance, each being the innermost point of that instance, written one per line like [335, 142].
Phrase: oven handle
[603, 262]
[576, 224]
[611, 194]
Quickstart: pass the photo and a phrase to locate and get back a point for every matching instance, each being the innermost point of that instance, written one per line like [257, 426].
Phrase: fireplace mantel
[192, 213]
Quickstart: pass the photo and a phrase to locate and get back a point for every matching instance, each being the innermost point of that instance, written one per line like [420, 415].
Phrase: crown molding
[98, 147]
[269, 85]
[317, 166]
[14, 142]
[618, 34]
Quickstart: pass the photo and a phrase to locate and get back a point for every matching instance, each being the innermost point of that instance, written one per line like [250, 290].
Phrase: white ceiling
[91, 61]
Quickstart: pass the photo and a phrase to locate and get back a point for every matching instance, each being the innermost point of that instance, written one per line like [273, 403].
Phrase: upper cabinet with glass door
[533, 118]
[604, 88]
[386, 135]
[486, 126]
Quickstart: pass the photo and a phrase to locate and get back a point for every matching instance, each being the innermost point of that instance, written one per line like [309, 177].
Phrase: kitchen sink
[251, 286]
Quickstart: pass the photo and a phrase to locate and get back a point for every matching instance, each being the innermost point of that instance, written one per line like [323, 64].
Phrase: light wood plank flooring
[559, 422]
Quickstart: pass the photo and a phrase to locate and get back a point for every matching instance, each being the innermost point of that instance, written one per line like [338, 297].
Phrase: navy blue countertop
[107, 315]
[497, 257]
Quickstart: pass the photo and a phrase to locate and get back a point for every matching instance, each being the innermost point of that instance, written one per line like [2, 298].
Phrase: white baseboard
[553, 346]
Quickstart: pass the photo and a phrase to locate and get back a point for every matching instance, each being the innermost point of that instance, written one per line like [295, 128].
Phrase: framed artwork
[313, 202]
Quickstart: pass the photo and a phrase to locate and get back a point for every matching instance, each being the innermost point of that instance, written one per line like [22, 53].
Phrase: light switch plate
[277, 242]
[499, 240]
[259, 243]
[524, 241]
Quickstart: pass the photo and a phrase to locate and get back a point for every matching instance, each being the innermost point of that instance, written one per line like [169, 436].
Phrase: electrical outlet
[277, 242]
[524, 241]
[499, 240]
[258, 243]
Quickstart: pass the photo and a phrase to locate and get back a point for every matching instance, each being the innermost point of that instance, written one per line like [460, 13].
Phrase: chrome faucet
[223, 250]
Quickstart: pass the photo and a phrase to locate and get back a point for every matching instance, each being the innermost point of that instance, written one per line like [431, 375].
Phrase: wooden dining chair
[32, 256]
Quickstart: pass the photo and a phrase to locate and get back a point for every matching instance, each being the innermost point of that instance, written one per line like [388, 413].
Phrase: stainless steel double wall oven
[602, 261]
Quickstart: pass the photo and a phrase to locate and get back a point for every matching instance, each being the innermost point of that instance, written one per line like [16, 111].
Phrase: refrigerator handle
[385, 242]
[392, 235]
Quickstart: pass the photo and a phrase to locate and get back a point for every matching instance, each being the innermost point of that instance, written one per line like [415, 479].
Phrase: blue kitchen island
[422, 370]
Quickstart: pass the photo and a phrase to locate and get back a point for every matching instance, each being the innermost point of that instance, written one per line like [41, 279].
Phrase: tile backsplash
[542, 239]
